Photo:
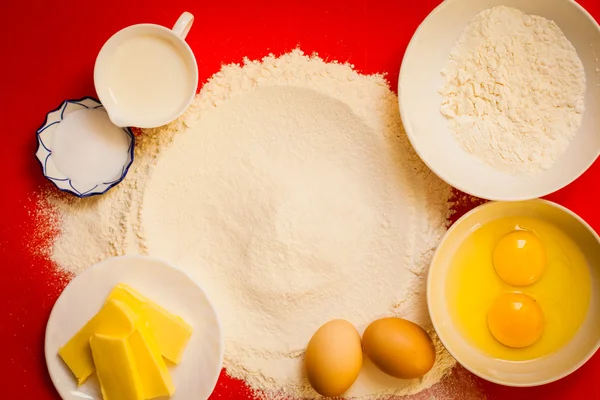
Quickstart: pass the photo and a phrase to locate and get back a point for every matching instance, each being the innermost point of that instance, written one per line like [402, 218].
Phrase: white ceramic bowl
[427, 128]
[194, 377]
[47, 136]
[524, 373]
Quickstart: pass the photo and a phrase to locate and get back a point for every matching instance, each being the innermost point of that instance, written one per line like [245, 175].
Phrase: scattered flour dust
[290, 192]
[514, 91]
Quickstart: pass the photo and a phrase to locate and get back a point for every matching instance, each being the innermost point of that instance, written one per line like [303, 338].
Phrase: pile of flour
[289, 191]
[514, 91]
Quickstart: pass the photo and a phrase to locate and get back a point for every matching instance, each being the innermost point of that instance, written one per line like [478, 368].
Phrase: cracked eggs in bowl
[513, 292]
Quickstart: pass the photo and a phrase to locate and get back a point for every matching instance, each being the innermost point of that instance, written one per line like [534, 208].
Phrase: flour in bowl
[513, 91]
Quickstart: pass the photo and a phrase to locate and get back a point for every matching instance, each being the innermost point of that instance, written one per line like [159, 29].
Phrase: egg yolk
[519, 258]
[516, 320]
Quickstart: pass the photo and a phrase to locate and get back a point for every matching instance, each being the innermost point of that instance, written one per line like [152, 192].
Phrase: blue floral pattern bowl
[45, 137]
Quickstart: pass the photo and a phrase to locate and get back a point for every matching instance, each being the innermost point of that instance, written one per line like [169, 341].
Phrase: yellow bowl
[511, 373]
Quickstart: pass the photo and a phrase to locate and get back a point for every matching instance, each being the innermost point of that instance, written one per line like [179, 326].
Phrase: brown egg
[399, 348]
[333, 358]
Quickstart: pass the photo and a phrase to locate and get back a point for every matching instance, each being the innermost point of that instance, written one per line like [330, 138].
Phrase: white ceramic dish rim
[160, 260]
[460, 359]
[440, 173]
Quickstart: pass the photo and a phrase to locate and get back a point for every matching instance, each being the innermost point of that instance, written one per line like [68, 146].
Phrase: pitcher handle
[183, 25]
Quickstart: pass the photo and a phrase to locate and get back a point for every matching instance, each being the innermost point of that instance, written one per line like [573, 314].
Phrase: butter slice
[116, 368]
[115, 318]
[170, 331]
[153, 372]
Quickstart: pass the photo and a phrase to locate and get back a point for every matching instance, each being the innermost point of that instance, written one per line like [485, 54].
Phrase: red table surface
[48, 54]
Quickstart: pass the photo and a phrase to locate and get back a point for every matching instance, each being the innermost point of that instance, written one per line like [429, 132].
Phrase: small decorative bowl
[46, 135]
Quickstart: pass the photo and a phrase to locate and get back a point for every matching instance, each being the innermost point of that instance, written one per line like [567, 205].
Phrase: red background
[48, 54]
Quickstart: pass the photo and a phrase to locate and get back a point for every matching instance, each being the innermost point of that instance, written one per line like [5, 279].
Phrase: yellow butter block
[116, 368]
[153, 372]
[170, 331]
[115, 318]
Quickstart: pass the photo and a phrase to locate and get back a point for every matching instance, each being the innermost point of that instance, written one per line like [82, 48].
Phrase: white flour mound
[291, 193]
[514, 91]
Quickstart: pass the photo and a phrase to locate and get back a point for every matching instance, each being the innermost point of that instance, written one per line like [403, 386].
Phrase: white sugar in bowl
[81, 151]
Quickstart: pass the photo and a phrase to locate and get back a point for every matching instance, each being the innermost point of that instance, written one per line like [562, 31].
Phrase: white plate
[195, 377]
[428, 131]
